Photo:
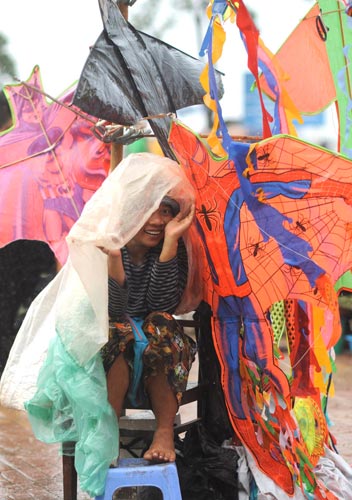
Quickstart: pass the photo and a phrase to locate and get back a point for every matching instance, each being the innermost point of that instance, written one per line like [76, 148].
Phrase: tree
[7, 65]
[157, 16]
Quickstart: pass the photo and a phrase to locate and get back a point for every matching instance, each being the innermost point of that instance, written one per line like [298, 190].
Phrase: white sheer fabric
[75, 304]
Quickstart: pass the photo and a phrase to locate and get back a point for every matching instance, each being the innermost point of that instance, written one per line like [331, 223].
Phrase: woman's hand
[179, 224]
[115, 253]
[116, 270]
[173, 232]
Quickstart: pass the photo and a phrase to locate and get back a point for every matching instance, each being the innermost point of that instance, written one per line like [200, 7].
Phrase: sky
[57, 36]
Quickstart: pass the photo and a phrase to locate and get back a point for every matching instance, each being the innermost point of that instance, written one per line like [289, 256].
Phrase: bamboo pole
[117, 149]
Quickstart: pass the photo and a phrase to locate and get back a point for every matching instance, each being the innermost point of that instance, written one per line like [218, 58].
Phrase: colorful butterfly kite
[50, 165]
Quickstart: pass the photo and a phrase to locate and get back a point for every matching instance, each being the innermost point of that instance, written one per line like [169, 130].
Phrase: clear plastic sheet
[71, 314]
[336, 474]
[71, 405]
[331, 472]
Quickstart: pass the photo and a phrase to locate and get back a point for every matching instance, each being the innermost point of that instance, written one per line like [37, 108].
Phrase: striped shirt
[151, 286]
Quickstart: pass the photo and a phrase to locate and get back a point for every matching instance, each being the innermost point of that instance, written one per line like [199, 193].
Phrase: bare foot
[162, 448]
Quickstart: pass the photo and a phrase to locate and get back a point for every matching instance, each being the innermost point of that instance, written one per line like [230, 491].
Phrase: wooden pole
[117, 149]
[124, 10]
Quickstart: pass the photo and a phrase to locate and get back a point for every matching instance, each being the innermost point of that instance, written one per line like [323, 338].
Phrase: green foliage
[7, 65]
[143, 18]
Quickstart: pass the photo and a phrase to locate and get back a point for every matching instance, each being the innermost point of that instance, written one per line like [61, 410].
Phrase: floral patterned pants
[169, 347]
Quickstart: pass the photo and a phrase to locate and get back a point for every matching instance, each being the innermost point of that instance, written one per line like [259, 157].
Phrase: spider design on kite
[210, 215]
[243, 287]
[257, 247]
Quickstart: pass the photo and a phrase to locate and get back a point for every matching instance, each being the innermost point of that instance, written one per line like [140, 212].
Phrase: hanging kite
[50, 165]
[336, 30]
[274, 220]
[129, 76]
[304, 53]
[319, 48]
[273, 227]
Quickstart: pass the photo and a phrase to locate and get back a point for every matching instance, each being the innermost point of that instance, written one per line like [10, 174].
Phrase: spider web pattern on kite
[258, 251]
[319, 213]
[253, 386]
[270, 277]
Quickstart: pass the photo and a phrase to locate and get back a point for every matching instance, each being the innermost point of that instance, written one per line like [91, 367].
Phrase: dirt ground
[340, 406]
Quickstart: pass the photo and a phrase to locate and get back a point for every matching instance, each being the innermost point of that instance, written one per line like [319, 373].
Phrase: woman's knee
[160, 319]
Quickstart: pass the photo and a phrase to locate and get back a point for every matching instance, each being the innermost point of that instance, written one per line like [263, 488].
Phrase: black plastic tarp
[130, 75]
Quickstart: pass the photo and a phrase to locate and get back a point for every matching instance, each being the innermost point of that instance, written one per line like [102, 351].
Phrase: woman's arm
[174, 230]
[117, 285]
[116, 270]
[168, 281]
[169, 274]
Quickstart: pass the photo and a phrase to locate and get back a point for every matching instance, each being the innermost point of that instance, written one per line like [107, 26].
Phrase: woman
[147, 278]
[56, 366]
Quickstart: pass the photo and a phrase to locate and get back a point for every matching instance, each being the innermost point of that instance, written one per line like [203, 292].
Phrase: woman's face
[153, 230]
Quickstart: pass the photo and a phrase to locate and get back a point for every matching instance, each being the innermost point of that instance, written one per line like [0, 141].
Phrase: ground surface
[30, 469]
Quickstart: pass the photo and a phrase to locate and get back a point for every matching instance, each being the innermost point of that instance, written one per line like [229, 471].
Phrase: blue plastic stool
[139, 472]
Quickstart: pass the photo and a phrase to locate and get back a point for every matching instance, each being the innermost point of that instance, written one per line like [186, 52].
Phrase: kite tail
[327, 290]
[239, 398]
[258, 398]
